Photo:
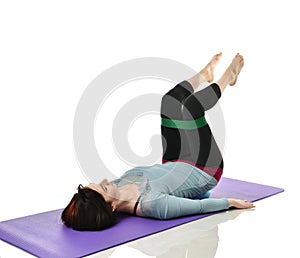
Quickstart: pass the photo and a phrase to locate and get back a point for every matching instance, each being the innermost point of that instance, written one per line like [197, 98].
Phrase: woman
[192, 163]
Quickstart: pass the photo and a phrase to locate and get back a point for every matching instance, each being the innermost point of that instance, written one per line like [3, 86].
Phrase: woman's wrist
[231, 202]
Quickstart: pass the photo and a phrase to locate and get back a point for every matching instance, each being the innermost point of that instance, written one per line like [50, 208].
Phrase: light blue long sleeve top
[169, 190]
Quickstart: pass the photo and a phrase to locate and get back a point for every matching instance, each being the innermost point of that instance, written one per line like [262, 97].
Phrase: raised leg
[185, 134]
[203, 147]
[174, 140]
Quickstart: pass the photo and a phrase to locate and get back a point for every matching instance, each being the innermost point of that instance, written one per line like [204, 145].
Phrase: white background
[51, 50]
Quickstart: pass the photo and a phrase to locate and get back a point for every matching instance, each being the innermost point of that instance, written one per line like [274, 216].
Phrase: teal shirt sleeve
[169, 206]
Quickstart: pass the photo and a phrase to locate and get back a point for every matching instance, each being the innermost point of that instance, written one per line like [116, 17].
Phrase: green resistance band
[181, 124]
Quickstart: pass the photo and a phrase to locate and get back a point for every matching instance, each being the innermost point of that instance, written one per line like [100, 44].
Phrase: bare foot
[232, 72]
[208, 71]
[235, 68]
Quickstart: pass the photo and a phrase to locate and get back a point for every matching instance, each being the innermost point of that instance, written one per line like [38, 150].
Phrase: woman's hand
[240, 204]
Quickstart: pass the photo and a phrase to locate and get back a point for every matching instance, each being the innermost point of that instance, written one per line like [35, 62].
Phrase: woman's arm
[169, 206]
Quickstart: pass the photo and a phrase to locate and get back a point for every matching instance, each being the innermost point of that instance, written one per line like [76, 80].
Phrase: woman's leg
[203, 147]
[195, 144]
[175, 143]
[204, 150]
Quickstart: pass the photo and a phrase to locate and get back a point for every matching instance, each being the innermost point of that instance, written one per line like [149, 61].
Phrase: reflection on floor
[197, 239]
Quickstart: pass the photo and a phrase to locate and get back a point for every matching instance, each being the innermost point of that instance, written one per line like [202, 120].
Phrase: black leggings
[195, 145]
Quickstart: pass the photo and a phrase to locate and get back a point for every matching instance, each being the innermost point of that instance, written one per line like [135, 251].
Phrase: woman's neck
[128, 195]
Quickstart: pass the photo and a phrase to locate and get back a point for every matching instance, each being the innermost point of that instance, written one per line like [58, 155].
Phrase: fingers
[249, 204]
[245, 204]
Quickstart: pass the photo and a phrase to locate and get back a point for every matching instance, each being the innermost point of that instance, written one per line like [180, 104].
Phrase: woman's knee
[192, 108]
[171, 106]
[172, 101]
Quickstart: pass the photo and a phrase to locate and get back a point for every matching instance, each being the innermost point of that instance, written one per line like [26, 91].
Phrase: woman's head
[88, 210]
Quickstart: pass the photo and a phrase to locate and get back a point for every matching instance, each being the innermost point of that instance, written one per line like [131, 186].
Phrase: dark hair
[88, 211]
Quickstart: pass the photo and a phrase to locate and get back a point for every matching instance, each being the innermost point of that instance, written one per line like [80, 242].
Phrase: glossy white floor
[268, 231]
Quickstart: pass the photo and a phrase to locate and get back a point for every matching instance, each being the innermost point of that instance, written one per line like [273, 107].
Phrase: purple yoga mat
[44, 235]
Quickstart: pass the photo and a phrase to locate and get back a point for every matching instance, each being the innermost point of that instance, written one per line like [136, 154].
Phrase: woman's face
[108, 190]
